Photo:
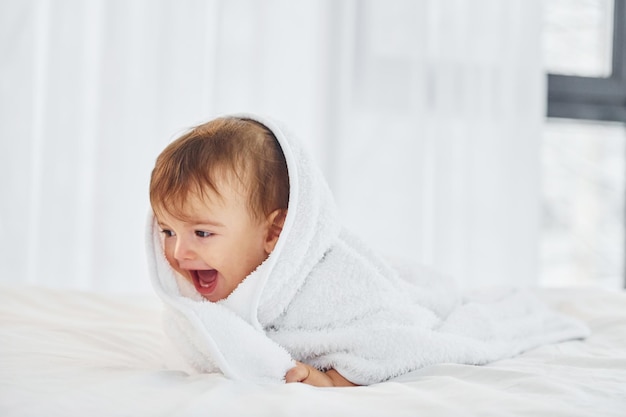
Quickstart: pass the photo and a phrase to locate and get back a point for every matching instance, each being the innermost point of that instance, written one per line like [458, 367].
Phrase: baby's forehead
[200, 200]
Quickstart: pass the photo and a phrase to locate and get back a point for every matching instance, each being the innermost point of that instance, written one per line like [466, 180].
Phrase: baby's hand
[309, 375]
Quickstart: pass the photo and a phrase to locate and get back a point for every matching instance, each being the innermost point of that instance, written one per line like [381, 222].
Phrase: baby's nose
[184, 250]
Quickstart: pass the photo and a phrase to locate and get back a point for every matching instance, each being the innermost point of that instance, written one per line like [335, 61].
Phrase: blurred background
[438, 128]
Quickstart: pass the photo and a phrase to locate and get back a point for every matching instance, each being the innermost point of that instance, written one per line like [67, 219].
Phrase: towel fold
[323, 298]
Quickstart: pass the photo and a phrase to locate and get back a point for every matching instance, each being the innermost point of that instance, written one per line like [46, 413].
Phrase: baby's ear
[275, 222]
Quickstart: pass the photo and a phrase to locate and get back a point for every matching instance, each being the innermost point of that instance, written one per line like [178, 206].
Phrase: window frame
[594, 98]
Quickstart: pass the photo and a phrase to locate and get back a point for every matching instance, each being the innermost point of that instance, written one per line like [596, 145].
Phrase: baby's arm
[309, 375]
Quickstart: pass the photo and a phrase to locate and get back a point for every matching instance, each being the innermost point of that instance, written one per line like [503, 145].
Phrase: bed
[70, 353]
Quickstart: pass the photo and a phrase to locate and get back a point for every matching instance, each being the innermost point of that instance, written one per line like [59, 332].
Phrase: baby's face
[217, 245]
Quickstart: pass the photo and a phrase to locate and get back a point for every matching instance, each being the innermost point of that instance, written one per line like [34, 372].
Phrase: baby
[262, 283]
[220, 195]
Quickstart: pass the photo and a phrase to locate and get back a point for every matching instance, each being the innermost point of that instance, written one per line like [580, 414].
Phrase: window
[585, 97]
[584, 144]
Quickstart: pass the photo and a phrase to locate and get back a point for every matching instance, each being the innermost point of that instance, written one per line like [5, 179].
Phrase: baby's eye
[201, 233]
[167, 233]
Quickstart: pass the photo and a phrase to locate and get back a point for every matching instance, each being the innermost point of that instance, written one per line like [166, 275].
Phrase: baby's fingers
[298, 373]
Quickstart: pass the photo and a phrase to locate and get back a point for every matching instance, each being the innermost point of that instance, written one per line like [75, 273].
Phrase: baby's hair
[242, 148]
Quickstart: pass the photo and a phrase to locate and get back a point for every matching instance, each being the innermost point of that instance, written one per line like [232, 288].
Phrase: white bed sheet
[66, 353]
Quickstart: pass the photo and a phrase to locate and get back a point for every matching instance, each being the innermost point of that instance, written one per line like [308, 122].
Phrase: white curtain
[424, 115]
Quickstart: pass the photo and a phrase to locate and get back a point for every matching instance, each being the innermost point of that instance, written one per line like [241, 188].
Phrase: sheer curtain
[425, 117]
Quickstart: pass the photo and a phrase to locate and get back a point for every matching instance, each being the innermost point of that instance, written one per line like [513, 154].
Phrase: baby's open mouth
[205, 280]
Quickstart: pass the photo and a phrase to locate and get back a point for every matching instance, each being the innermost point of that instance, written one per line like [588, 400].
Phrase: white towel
[323, 298]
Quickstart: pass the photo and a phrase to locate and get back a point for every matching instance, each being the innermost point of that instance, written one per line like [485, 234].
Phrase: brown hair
[243, 147]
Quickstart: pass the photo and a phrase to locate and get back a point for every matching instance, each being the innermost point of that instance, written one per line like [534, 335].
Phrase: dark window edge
[591, 98]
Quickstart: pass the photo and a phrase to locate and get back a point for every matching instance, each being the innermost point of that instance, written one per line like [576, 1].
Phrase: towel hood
[311, 226]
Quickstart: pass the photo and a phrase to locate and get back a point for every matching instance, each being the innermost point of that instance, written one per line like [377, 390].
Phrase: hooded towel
[323, 298]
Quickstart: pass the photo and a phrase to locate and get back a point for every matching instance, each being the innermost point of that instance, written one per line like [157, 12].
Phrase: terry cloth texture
[323, 298]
